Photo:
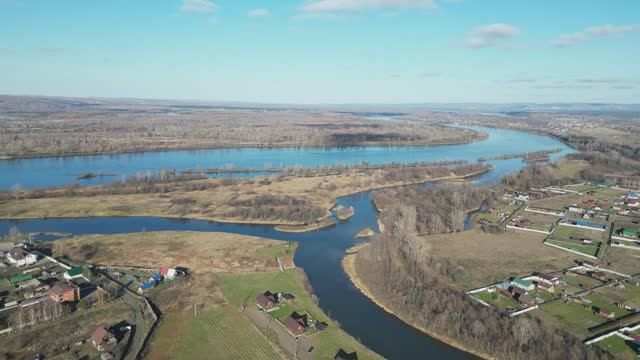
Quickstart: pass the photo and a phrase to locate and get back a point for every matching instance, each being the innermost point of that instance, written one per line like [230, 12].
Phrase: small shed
[168, 273]
[146, 286]
[517, 292]
[343, 355]
[550, 278]
[546, 286]
[526, 300]
[599, 275]
[606, 313]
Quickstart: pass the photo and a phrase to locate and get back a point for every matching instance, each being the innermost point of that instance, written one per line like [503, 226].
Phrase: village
[597, 298]
[38, 290]
[117, 305]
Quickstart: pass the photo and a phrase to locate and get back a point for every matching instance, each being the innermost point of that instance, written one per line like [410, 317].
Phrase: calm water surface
[320, 252]
[56, 171]
[320, 255]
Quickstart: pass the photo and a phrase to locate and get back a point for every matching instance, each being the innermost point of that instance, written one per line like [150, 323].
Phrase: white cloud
[594, 32]
[201, 6]
[569, 40]
[490, 35]
[607, 80]
[609, 30]
[259, 13]
[341, 6]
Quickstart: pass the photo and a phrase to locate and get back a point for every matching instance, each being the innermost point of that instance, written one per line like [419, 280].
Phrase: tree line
[397, 266]
[433, 211]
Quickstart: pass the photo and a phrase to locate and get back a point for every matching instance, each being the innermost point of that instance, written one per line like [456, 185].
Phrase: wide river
[320, 252]
[56, 171]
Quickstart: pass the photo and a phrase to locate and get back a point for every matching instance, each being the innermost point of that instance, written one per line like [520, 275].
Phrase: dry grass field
[236, 201]
[200, 252]
[626, 261]
[488, 258]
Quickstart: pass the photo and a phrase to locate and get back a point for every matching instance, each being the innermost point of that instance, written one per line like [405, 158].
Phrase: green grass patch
[218, 333]
[495, 219]
[618, 347]
[498, 300]
[630, 295]
[584, 249]
[488, 218]
[600, 302]
[5, 285]
[241, 289]
[281, 249]
[581, 281]
[282, 312]
[564, 168]
[569, 232]
[579, 188]
[607, 193]
[545, 295]
[576, 316]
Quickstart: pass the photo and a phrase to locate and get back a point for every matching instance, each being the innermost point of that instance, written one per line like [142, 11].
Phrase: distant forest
[52, 126]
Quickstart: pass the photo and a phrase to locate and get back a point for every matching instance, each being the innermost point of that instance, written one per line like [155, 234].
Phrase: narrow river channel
[320, 252]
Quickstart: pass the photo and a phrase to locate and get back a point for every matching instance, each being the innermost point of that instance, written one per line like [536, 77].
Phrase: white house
[21, 257]
[168, 273]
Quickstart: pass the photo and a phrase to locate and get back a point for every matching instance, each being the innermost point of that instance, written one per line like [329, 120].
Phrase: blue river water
[57, 171]
[320, 252]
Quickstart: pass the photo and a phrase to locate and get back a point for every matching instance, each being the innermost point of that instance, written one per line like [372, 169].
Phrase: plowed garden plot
[218, 333]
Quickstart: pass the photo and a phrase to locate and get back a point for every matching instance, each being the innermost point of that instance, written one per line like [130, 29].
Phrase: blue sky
[324, 51]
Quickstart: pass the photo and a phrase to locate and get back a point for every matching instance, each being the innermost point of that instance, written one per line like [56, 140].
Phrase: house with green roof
[628, 232]
[16, 279]
[523, 284]
[73, 273]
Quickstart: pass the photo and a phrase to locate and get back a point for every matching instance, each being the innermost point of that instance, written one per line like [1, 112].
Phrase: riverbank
[306, 228]
[251, 203]
[314, 344]
[349, 266]
[193, 301]
[258, 146]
